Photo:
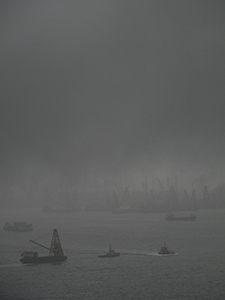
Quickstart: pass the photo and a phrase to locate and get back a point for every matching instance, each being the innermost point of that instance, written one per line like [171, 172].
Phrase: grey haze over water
[98, 90]
[103, 95]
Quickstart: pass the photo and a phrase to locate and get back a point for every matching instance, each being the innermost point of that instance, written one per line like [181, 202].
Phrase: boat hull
[43, 259]
[17, 230]
[192, 217]
[181, 219]
[110, 255]
[166, 253]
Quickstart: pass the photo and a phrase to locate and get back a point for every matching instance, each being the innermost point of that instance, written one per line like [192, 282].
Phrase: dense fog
[98, 95]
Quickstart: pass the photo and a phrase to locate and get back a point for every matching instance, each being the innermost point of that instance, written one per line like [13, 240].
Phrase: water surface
[197, 271]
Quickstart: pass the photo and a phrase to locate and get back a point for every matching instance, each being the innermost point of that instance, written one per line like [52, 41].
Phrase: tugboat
[18, 227]
[111, 253]
[164, 250]
[55, 252]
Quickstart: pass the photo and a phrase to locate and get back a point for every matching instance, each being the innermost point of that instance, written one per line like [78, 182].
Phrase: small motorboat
[111, 253]
[164, 250]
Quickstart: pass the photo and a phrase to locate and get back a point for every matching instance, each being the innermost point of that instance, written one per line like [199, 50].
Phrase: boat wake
[136, 253]
[171, 254]
[147, 253]
[15, 265]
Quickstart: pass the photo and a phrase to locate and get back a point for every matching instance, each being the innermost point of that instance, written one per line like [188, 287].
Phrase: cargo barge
[55, 252]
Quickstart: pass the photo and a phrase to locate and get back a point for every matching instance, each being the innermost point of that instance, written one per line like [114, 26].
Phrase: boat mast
[40, 245]
[55, 248]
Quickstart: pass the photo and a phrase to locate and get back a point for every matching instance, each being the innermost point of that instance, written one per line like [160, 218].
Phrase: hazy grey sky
[96, 85]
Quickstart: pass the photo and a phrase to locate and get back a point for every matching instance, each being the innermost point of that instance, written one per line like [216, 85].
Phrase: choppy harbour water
[197, 271]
